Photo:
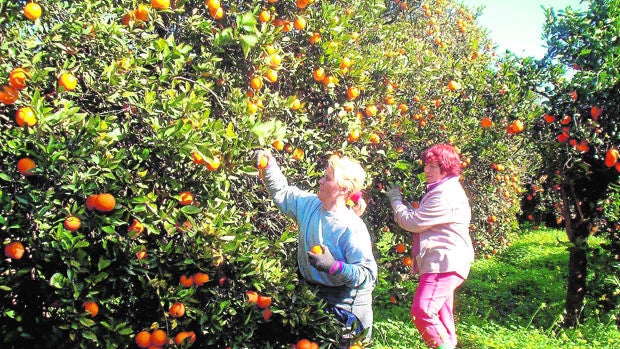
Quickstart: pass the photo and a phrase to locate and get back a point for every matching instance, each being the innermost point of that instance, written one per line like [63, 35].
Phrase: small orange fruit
[263, 161]
[400, 248]
[8, 94]
[90, 201]
[486, 122]
[186, 281]
[298, 154]
[256, 83]
[453, 85]
[142, 12]
[105, 202]
[141, 254]
[316, 249]
[136, 226]
[301, 4]
[177, 309]
[252, 296]
[160, 4]
[91, 307]
[186, 337]
[354, 135]
[318, 74]
[299, 23]
[143, 339]
[263, 302]
[275, 60]
[72, 223]
[611, 157]
[315, 38]
[159, 338]
[371, 110]
[32, 11]
[278, 144]
[303, 344]
[17, 78]
[264, 16]
[271, 76]
[25, 117]
[217, 13]
[201, 278]
[24, 165]
[186, 198]
[213, 164]
[213, 4]
[14, 250]
[408, 261]
[353, 92]
[68, 81]
[595, 112]
[267, 314]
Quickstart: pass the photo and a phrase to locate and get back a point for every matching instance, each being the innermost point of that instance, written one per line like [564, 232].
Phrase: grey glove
[322, 262]
[393, 193]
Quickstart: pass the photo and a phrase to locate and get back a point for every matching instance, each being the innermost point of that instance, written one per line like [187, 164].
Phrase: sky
[517, 24]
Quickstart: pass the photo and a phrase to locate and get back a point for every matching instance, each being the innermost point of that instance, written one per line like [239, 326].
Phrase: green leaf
[58, 280]
[247, 42]
[103, 263]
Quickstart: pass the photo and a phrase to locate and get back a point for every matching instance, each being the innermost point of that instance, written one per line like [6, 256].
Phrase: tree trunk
[576, 290]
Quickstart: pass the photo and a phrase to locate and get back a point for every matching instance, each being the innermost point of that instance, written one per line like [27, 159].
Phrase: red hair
[445, 156]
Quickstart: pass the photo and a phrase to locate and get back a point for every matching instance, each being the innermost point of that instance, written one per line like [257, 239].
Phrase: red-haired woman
[442, 245]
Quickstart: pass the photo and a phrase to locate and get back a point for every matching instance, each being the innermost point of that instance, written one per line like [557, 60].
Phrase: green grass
[512, 300]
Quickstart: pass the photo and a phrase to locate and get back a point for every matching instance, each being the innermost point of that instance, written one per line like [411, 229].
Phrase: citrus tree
[132, 213]
[578, 139]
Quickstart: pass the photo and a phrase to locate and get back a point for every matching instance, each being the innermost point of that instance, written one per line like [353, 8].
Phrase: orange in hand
[263, 162]
[316, 249]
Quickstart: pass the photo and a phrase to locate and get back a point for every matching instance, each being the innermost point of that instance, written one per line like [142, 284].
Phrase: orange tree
[578, 138]
[137, 206]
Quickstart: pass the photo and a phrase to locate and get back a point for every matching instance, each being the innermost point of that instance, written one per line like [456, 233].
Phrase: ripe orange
[371, 110]
[185, 336]
[213, 4]
[143, 339]
[72, 223]
[301, 4]
[200, 278]
[198, 159]
[217, 13]
[573, 95]
[17, 78]
[186, 281]
[24, 165]
[549, 118]
[128, 17]
[267, 314]
[400, 248]
[278, 144]
[142, 12]
[316, 249]
[105, 202]
[141, 254]
[353, 92]
[318, 74]
[303, 344]
[299, 23]
[453, 85]
[186, 198]
[8, 94]
[90, 201]
[264, 16]
[408, 261]
[298, 154]
[32, 11]
[160, 4]
[256, 83]
[14, 250]
[611, 157]
[213, 164]
[136, 226]
[275, 60]
[315, 38]
[595, 112]
[295, 104]
[177, 309]
[91, 307]
[68, 81]
[252, 296]
[271, 76]
[25, 117]
[354, 135]
[159, 338]
[263, 161]
[263, 301]
[374, 138]
[486, 122]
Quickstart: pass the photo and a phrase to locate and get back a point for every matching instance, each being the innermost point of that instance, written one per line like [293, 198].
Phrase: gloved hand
[322, 262]
[393, 193]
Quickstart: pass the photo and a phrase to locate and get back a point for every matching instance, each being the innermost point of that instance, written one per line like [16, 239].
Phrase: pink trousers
[431, 310]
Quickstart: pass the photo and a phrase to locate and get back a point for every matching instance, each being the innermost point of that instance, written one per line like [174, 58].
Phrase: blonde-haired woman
[346, 272]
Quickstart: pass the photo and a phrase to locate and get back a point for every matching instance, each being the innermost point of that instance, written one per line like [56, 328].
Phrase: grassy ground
[512, 300]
